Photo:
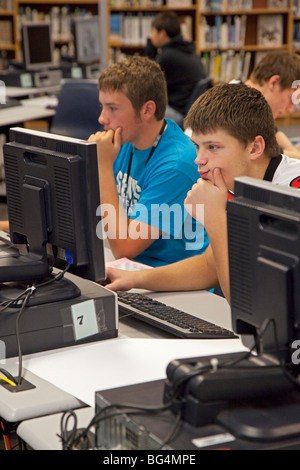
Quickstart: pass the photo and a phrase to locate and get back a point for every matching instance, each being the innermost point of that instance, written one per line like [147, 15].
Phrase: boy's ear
[148, 110]
[273, 81]
[257, 147]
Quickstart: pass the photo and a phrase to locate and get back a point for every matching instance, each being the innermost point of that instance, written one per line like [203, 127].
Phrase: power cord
[25, 297]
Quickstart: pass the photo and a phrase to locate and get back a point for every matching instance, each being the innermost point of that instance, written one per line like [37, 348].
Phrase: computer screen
[87, 44]
[264, 260]
[53, 193]
[37, 46]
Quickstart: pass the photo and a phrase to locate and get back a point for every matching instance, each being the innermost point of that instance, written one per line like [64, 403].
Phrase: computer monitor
[87, 43]
[37, 46]
[264, 260]
[264, 264]
[53, 194]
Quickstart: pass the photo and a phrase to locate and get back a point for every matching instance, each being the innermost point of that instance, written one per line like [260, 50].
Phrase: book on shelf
[270, 30]
[115, 30]
[6, 37]
[7, 5]
[186, 25]
[296, 35]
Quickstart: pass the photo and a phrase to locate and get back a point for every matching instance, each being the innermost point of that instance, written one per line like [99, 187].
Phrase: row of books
[230, 31]
[224, 5]
[227, 65]
[135, 3]
[225, 32]
[149, 3]
[133, 29]
[239, 5]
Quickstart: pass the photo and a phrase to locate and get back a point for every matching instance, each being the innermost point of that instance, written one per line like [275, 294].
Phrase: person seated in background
[178, 59]
[234, 134]
[276, 76]
[146, 166]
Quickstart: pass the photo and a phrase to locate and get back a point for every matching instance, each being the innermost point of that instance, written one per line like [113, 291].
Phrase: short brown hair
[169, 21]
[283, 63]
[140, 79]
[237, 109]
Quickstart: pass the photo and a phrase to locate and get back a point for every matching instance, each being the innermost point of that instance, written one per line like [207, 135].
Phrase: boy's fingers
[218, 179]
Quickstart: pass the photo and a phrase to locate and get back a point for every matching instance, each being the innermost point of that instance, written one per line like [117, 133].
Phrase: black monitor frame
[264, 260]
[37, 46]
[53, 194]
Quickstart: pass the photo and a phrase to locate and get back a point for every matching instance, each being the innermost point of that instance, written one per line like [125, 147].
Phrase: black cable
[8, 375]
[68, 438]
[135, 409]
[30, 291]
[25, 295]
[124, 408]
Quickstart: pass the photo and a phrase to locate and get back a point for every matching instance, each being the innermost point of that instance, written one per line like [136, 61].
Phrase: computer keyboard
[9, 103]
[170, 319]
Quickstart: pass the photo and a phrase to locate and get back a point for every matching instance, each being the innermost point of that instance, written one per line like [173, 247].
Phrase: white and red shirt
[284, 171]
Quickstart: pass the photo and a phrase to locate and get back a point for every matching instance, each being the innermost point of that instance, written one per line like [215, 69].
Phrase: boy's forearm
[219, 245]
[194, 273]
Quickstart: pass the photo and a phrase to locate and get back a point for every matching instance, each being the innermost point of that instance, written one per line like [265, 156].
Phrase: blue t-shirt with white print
[154, 194]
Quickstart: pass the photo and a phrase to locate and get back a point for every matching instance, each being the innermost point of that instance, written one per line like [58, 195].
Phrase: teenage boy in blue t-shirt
[146, 167]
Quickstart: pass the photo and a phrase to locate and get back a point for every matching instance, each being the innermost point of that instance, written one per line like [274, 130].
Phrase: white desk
[40, 432]
[18, 92]
[22, 405]
[19, 114]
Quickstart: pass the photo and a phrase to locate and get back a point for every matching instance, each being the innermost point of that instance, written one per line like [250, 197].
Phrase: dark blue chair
[201, 87]
[78, 109]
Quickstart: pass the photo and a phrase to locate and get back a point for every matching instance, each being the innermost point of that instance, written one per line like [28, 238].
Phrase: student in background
[233, 131]
[146, 166]
[274, 75]
[178, 59]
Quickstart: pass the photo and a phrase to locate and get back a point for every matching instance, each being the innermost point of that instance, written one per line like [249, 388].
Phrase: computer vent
[66, 147]
[256, 194]
[13, 190]
[63, 205]
[239, 260]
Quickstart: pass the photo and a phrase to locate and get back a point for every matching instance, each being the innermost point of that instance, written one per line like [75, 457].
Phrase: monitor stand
[18, 272]
[62, 289]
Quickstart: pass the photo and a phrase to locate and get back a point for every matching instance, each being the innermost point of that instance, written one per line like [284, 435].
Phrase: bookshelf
[130, 25]
[224, 31]
[8, 28]
[234, 34]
